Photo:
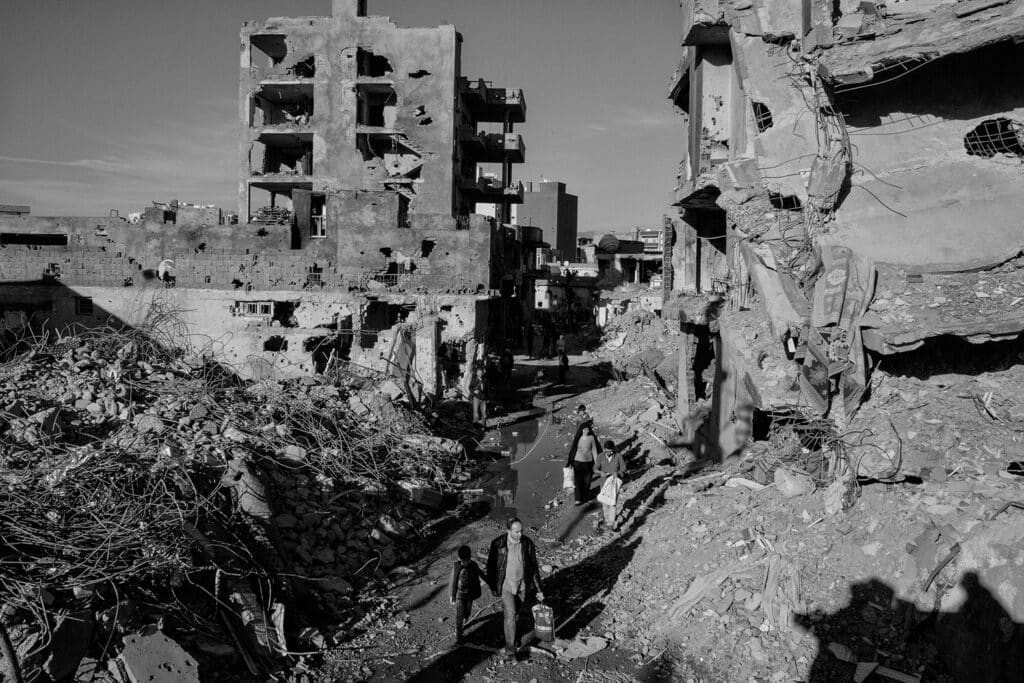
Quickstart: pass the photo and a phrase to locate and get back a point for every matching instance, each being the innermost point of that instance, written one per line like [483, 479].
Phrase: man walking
[514, 575]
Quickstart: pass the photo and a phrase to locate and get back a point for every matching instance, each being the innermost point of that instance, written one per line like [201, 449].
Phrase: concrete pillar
[426, 366]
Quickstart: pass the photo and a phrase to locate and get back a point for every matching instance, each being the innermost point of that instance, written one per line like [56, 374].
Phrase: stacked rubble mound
[157, 509]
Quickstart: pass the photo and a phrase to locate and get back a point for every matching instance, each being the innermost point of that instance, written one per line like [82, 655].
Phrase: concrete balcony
[489, 190]
[492, 147]
[486, 103]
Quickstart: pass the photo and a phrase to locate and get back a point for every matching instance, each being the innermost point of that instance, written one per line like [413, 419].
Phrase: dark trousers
[583, 473]
[463, 610]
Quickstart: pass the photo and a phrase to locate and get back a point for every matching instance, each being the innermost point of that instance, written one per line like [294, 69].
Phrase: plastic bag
[567, 478]
[609, 494]
[544, 622]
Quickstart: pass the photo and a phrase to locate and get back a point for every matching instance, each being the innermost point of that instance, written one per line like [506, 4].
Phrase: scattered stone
[791, 484]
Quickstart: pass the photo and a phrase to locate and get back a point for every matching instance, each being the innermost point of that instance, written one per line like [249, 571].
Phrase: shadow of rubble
[980, 642]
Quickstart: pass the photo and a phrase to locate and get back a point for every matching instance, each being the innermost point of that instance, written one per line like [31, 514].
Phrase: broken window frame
[84, 305]
[254, 309]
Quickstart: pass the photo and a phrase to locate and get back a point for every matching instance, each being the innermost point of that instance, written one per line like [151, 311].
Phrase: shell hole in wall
[996, 136]
[426, 121]
[419, 73]
[276, 343]
[371, 65]
[426, 247]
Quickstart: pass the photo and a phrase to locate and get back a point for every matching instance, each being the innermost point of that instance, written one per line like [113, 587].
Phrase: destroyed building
[359, 146]
[852, 186]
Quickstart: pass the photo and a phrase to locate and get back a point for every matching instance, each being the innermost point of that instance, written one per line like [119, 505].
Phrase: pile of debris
[273, 215]
[154, 502]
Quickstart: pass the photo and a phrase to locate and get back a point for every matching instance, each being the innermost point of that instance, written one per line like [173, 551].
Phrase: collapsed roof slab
[910, 307]
[950, 29]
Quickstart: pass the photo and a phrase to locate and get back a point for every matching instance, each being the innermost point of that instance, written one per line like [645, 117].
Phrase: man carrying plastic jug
[514, 575]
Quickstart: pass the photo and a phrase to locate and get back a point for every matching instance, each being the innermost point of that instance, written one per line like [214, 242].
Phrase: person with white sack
[578, 472]
[610, 465]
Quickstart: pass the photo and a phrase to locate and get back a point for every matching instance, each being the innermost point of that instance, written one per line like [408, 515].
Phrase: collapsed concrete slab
[155, 658]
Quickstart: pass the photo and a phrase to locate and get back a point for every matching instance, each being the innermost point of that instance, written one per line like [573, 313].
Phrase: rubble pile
[273, 215]
[149, 493]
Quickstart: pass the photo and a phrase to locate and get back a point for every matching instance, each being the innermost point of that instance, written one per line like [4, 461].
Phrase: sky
[110, 104]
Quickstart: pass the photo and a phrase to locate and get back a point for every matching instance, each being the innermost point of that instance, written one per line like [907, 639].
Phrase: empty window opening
[305, 68]
[377, 106]
[276, 343]
[37, 239]
[371, 65]
[762, 116]
[272, 47]
[396, 268]
[284, 313]
[323, 350]
[379, 316]
[318, 216]
[426, 247]
[420, 73]
[372, 147]
[314, 275]
[996, 136]
[282, 104]
[426, 121]
[403, 212]
[83, 305]
[789, 202]
[282, 154]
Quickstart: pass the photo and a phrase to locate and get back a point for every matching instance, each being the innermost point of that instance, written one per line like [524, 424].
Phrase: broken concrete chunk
[391, 390]
[294, 453]
[156, 658]
[792, 484]
[850, 25]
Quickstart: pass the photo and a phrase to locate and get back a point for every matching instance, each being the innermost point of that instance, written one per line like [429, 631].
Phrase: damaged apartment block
[358, 154]
[852, 187]
[849, 205]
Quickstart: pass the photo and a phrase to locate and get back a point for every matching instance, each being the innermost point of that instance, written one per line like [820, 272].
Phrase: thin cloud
[92, 164]
[630, 119]
[192, 157]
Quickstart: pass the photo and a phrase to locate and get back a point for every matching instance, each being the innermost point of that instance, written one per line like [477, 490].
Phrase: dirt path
[580, 564]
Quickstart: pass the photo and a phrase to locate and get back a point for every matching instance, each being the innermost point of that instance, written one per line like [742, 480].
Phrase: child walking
[465, 588]
[611, 464]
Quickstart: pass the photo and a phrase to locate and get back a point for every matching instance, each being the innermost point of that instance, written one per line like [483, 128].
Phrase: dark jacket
[611, 462]
[465, 583]
[498, 557]
[589, 422]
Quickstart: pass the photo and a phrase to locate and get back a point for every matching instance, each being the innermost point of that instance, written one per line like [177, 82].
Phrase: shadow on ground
[979, 642]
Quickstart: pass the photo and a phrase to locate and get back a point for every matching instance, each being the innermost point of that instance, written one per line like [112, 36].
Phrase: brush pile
[148, 492]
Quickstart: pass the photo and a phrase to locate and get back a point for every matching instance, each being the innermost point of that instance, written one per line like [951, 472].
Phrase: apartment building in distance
[359, 145]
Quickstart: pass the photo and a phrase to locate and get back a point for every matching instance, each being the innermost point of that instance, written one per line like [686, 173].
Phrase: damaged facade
[359, 147]
[852, 186]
